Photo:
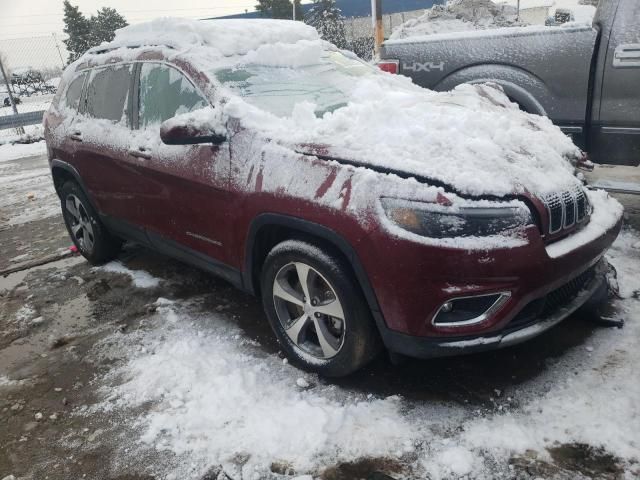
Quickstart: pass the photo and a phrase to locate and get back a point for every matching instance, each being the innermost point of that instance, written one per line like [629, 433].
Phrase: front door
[188, 206]
[616, 137]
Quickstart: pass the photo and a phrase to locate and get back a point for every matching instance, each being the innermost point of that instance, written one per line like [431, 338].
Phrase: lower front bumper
[428, 347]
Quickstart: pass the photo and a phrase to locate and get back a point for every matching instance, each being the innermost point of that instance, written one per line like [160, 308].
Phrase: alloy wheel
[80, 223]
[309, 310]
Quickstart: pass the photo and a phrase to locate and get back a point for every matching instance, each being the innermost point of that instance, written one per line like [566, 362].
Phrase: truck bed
[552, 62]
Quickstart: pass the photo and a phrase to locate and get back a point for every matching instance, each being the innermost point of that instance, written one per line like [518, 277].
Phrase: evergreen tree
[78, 29]
[104, 25]
[279, 9]
[327, 18]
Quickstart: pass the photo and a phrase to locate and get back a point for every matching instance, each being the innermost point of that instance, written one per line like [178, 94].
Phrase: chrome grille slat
[566, 209]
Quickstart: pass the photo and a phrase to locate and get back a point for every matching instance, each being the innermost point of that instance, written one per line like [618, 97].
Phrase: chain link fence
[32, 69]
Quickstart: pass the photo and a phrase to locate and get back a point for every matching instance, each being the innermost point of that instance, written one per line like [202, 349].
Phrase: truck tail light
[390, 66]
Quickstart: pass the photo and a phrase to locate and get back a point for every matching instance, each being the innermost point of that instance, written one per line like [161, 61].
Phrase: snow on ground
[214, 396]
[33, 188]
[15, 151]
[139, 278]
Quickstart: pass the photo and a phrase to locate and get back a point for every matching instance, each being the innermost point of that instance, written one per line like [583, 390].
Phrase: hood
[472, 139]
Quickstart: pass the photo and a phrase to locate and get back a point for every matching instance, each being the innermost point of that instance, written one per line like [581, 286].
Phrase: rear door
[103, 137]
[616, 137]
[187, 206]
[63, 118]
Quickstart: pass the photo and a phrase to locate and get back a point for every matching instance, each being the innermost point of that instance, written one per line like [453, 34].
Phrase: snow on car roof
[226, 37]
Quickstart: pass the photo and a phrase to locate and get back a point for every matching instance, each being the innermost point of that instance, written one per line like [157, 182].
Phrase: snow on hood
[473, 138]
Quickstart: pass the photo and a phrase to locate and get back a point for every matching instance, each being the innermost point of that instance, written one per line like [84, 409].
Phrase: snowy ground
[146, 368]
[29, 209]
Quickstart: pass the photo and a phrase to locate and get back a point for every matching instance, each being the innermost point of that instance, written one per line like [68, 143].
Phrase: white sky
[29, 18]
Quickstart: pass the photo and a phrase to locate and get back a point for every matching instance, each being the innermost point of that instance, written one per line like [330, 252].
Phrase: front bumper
[429, 347]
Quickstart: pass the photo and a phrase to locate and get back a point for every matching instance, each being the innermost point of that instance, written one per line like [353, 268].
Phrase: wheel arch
[510, 78]
[268, 229]
[61, 172]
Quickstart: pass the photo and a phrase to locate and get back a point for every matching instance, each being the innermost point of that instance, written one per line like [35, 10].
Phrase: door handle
[627, 56]
[140, 153]
[76, 136]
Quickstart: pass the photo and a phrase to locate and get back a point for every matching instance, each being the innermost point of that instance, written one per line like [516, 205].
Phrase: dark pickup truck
[586, 78]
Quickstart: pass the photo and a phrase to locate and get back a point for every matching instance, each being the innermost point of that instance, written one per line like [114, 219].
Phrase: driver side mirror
[177, 131]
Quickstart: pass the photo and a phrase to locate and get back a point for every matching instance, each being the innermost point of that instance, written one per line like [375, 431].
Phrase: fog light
[463, 311]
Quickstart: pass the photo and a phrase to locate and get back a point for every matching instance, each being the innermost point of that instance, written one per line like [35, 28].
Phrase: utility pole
[20, 129]
[518, 14]
[293, 3]
[378, 28]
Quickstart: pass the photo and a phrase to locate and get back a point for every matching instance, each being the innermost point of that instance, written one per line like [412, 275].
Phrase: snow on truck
[584, 77]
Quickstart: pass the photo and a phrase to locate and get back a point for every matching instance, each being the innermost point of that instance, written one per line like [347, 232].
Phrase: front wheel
[316, 309]
[87, 232]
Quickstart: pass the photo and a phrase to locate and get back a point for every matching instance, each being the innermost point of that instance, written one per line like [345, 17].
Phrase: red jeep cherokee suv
[366, 212]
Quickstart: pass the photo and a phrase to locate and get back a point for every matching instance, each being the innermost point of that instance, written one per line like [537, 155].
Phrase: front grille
[546, 306]
[565, 209]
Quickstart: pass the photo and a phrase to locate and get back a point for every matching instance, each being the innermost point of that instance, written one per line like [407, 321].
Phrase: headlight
[439, 221]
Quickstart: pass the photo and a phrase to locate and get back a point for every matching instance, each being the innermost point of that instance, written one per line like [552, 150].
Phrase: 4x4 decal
[423, 67]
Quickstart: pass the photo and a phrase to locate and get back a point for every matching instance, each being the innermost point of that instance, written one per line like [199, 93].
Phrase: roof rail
[109, 48]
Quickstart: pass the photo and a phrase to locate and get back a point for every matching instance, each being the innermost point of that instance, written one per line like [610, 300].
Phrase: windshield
[278, 89]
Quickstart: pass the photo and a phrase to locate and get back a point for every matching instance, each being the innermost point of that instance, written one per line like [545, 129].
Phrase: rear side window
[108, 92]
[72, 98]
[165, 93]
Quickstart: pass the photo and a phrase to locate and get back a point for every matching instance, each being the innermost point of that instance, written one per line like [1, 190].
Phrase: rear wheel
[316, 310]
[86, 230]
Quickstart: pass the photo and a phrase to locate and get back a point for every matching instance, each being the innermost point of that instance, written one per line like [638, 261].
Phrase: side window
[72, 98]
[108, 92]
[165, 93]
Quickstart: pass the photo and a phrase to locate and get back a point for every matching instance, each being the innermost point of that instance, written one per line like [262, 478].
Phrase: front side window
[165, 93]
[108, 93]
[72, 98]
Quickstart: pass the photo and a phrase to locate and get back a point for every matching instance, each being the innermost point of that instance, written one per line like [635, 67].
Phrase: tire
[325, 344]
[87, 232]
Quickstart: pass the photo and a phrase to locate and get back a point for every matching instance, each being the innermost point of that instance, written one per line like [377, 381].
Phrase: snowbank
[458, 16]
[467, 15]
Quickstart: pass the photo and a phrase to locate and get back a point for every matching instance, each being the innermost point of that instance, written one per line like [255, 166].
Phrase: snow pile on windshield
[227, 37]
[459, 15]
